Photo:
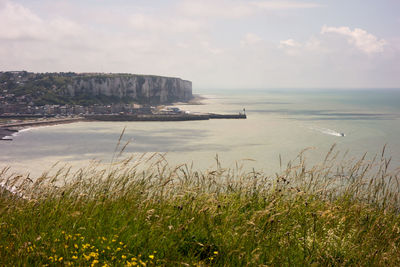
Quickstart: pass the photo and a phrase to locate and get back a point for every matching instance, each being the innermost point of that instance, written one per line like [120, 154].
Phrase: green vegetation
[143, 212]
[52, 88]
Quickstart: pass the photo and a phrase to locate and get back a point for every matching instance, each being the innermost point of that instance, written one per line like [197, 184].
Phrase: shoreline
[7, 130]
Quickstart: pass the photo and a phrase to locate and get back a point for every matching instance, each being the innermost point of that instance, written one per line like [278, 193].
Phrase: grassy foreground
[336, 213]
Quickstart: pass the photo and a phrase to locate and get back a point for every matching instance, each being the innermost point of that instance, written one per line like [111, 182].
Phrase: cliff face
[142, 88]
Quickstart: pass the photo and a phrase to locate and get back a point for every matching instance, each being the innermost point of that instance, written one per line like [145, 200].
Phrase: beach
[8, 129]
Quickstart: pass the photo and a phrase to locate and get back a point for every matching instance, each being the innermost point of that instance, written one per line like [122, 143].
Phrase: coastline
[8, 129]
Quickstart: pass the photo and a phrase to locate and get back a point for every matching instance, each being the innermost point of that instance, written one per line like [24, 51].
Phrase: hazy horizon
[215, 44]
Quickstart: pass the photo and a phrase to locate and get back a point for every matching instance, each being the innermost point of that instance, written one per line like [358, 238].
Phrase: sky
[216, 44]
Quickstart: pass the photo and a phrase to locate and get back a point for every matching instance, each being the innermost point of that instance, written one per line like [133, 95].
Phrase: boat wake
[327, 131]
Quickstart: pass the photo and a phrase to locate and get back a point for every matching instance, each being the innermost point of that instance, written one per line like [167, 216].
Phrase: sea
[280, 124]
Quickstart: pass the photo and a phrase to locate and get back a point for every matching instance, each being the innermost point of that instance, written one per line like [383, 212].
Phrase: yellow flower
[65, 246]
[60, 259]
[74, 257]
[151, 256]
[76, 246]
[215, 252]
[121, 243]
[123, 257]
[94, 254]
[113, 240]
[133, 259]
[142, 263]
[94, 262]
[118, 249]
[86, 257]
[51, 258]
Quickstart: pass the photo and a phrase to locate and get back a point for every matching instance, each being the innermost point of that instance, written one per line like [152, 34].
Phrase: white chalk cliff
[143, 88]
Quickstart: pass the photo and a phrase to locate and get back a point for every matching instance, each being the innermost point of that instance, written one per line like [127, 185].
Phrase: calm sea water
[280, 122]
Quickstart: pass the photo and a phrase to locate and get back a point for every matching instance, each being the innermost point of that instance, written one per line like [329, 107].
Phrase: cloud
[250, 39]
[289, 43]
[273, 5]
[18, 22]
[165, 24]
[360, 38]
[237, 9]
[21, 24]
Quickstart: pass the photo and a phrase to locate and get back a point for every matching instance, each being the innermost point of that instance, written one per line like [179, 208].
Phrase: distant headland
[22, 88]
[35, 99]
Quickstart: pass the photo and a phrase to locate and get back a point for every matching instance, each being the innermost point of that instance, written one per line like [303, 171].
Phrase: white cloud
[237, 9]
[360, 38]
[20, 23]
[250, 39]
[289, 43]
[271, 5]
[165, 24]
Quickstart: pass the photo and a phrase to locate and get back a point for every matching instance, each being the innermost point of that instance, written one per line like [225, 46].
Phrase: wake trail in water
[327, 131]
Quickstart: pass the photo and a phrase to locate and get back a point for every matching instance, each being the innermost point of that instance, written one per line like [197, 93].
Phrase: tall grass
[141, 211]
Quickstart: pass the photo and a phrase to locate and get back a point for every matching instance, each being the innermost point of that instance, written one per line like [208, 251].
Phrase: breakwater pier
[7, 129]
[162, 117]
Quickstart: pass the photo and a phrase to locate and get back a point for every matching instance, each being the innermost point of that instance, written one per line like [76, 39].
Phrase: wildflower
[113, 240]
[123, 257]
[118, 249]
[103, 238]
[105, 265]
[133, 259]
[60, 259]
[94, 262]
[51, 259]
[215, 252]
[87, 257]
[142, 263]
[76, 246]
[74, 257]
[94, 254]
[65, 246]
[151, 256]
[121, 243]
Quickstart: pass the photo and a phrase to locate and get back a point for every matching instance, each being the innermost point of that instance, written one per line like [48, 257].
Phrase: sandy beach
[7, 129]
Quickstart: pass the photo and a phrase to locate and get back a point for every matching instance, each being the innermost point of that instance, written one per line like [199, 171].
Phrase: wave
[327, 131]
